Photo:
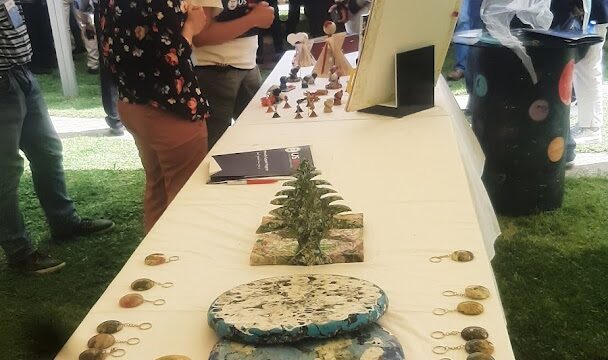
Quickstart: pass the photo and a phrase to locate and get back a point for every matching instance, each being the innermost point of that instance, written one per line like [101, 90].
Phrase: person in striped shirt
[25, 125]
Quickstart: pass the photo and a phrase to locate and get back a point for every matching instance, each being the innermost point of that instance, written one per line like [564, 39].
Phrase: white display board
[395, 26]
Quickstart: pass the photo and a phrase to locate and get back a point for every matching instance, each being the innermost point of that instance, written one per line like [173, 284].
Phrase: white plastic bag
[497, 15]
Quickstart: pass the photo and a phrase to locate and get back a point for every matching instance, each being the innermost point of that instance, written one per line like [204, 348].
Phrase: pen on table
[250, 182]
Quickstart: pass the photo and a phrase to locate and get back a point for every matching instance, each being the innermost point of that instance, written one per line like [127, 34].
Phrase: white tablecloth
[416, 180]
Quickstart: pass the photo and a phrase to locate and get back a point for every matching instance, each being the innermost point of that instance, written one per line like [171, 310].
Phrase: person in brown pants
[161, 103]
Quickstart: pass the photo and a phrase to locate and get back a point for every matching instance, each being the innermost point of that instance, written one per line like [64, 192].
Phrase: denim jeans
[25, 124]
[109, 91]
[469, 18]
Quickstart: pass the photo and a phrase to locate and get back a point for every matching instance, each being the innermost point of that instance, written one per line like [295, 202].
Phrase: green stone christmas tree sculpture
[308, 228]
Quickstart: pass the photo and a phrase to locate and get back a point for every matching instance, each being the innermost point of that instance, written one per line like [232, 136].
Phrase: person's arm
[261, 16]
[179, 91]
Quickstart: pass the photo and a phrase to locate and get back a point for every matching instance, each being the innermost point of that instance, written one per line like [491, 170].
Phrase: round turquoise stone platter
[291, 308]
[372, 342]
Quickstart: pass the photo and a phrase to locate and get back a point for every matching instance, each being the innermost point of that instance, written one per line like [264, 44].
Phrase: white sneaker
[586, 135]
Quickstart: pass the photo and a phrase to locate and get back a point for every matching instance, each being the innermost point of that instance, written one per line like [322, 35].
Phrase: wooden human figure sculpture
[303, 56]
[332, 54]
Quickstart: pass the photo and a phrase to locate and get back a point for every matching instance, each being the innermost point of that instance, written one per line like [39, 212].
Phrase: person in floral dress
[146, 45]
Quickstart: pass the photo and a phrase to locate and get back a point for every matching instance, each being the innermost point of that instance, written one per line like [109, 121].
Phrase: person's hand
[195, 21]
[261, 15]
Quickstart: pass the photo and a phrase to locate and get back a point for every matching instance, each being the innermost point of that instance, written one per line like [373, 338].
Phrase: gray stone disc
[296, 307]
[372, 342]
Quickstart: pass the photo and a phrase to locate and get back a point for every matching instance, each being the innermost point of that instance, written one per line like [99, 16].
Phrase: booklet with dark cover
[258, 164]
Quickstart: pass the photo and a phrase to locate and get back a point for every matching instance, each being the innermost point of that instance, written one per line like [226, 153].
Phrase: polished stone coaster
[370, 343]
[296, 307]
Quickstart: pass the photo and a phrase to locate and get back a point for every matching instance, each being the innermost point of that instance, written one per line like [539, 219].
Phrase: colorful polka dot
[539, 110]
[565, 83]
[555, 151]
[481, 86]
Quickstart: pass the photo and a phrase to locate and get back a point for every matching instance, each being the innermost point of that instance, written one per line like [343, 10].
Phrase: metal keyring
[117, 352]
[166, 285]
[144, 326]
[440, 350]
[440, 311]
[438, 335]
[158, 302]
[450, 293]
[173, 258]
[132, 341]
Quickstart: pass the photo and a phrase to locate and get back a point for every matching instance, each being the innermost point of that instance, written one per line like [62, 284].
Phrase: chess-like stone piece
[305, 82]
[276, 115]
[293, 75]
[270, 109]
[299, 116]
[338, 97]
[334, 79]
[328, 106]
[283, 81]
[313, 77]
[313, 114]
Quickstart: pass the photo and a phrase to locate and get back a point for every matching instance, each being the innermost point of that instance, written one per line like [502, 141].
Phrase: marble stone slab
[292, 308]
[342, 245]
[370, 343]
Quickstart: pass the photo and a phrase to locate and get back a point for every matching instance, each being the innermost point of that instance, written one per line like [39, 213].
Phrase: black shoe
[92, 71]
[38, 263]
[116, 127]
[84, 228]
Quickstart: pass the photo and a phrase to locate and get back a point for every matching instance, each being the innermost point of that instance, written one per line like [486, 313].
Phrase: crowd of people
[176, 109]
[143, 51]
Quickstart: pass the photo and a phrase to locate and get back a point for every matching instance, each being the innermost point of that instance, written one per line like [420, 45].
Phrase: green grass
[40, 313]
[88, 102]
[552, 273]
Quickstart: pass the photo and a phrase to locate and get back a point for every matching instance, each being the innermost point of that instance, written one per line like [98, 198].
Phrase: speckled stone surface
[296, 307]
[342, 245]
[371, 343]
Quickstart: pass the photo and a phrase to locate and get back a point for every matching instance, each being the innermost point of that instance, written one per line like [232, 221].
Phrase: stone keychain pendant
[465, 307]
[104, 341]
[96, 354]
[114, 326]
[468, 333]
[159, 259]
[475, 292]
[471, 347]
[458, 256]
[134, 300]
[147, 284]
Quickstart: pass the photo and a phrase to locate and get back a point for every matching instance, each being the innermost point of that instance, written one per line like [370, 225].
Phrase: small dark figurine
[286, 106]
[299, 112]
[312, 112]
[305, 82]
[293, 75]
[270, 110]
[313, 77]
[338, 97]
[276, 115]
[334, 79]
[339, 11]
[283, 81]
